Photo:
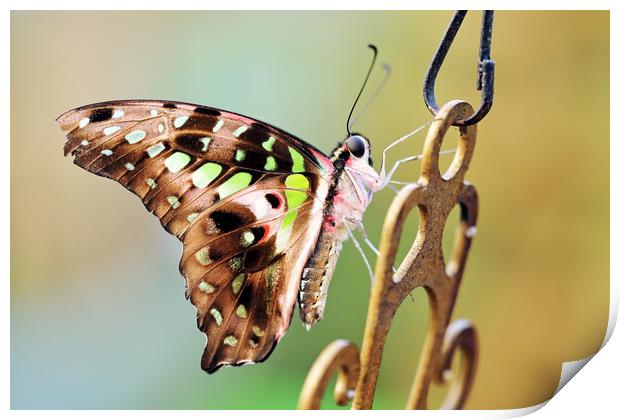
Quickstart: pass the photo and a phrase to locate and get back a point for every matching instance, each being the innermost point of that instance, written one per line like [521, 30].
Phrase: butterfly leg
[361, 251]
[391, 172]
[388, 177]
[393, 188]
[360, 226]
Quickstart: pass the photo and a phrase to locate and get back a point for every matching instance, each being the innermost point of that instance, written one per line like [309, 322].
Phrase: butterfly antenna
[372, 64]
[388, 71]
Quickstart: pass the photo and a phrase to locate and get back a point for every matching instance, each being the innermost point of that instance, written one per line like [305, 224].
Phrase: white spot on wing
[179, 121]
[205, 143]
[84, 122]
[118, 113]
[155, 149]
[173, 201]
[151, 183]
[111, 130]
[107, 152]
[261, 207]
[239, 131]
[135, 136]
[218, 126]
[247, 238]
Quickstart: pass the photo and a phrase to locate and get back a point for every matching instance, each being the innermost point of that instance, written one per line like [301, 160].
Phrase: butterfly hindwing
[245, 198]
[241, 271]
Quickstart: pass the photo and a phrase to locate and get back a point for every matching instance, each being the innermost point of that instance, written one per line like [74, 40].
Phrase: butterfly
[262, 215]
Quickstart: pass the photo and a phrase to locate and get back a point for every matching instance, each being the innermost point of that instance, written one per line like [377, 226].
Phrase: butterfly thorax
[353, 183]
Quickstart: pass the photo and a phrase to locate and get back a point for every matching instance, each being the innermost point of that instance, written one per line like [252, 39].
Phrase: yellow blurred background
[98, 315]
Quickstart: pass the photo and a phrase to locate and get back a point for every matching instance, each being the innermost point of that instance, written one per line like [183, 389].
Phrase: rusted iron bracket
[435, 195]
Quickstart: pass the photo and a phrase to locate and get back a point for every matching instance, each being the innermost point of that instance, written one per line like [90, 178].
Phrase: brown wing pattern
[245, 198]
[244, 279]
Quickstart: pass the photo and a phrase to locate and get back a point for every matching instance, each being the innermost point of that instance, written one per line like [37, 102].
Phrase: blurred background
[98, 314]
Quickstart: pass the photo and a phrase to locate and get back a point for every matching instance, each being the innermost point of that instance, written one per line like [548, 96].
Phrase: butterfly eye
[356, 146]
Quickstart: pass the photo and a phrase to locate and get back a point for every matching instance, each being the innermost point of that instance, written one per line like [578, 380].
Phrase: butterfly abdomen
[317, 275]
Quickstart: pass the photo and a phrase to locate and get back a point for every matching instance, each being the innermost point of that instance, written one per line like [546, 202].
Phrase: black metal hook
[486, 67]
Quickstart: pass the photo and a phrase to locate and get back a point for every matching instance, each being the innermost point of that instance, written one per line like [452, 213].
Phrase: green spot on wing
[268, 144]
[177, 161]
[298, 160]
[235, 183]
[202, 256]
[271, 165]
[271, 275]
[288, 220]
[295, 198]
[237, 282]
[217, 316]
[240, 155]
[204, 175]
[241, 312]
[230, 341]
[206, 287]
[297, 181]
[235, 263]
[257, 331]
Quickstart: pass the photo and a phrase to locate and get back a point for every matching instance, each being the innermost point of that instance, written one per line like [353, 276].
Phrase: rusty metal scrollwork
[342, 355]
[435, 195]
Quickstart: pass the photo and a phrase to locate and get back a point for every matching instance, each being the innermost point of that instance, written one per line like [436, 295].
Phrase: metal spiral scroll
[424, 266]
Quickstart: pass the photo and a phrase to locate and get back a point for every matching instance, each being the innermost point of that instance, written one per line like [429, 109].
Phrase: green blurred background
[98, 315]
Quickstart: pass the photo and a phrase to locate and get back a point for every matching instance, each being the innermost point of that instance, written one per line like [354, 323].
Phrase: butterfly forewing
[245, 198]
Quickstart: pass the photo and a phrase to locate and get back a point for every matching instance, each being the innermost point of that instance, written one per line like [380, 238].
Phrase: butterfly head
[353, 157]
[354, 150]
[359, 148]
